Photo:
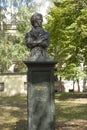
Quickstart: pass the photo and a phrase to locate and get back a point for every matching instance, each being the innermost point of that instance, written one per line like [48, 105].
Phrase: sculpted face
[36, 20]
[37, 39]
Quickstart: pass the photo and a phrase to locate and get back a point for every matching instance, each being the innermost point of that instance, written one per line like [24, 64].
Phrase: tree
[13, 47]
[4, 45]
[22, 21]
[68, 28]
[5, 54]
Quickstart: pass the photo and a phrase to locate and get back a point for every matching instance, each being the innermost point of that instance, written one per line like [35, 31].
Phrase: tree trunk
[84, 84]
[60, 84]
[73, 85]
[78, 85]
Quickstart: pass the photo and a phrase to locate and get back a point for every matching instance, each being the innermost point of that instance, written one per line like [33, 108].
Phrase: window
[1, 86]
[25, 85]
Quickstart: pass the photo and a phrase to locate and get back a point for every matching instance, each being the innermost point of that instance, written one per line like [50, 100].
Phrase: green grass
[68, 107]
[13, 113]
[71, 109]
[65, 96]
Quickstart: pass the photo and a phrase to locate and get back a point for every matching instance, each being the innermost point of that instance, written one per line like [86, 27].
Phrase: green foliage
[12, 47]
[68, 28]
[22, 19]
[19, 49]
[5, 54]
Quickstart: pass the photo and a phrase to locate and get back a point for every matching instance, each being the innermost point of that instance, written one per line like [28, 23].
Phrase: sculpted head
[36, 20]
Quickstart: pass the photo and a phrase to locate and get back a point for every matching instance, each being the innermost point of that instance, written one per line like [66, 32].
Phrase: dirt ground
[13, 113]
[75, 124]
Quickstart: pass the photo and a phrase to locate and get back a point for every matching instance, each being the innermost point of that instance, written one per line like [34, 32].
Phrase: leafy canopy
[68, 27]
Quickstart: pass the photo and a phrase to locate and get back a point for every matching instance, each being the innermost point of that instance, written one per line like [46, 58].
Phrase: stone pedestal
[40, 77]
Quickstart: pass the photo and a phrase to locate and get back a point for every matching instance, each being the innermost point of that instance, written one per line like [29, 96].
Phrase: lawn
[13, 113]
[70, 111]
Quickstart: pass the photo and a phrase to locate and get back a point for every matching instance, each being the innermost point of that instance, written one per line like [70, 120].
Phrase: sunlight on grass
[69, 108]
[12, 111]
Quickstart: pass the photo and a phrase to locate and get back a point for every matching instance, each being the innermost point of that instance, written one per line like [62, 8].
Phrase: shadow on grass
[16, 108]
[13, 113]
[20, 125]
[66, 113]
[17, 100]
[65, 96]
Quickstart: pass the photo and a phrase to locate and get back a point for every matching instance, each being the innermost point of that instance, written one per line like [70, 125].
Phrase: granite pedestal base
[40, 77]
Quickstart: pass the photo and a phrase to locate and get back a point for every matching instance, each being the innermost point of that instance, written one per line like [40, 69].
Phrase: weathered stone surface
[40, 95]
[37, 39]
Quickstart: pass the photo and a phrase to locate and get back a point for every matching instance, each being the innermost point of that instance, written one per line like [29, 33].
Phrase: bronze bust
[37, 39]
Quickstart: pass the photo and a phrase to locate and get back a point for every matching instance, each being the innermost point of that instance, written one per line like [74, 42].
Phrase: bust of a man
[37, 40]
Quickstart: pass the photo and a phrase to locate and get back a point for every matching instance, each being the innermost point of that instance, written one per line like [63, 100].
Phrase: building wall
[13, 83]
[16, 83]
[69, 86]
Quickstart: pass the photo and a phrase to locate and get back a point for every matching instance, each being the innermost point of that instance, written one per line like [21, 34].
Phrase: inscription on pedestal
[40, 95]
[40, 106]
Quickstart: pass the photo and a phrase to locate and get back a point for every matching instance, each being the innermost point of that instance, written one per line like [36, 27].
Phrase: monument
[40, 77]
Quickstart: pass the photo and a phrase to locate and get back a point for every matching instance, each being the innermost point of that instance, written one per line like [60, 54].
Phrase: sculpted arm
[45, 40]
[42, 41]
[30, 42]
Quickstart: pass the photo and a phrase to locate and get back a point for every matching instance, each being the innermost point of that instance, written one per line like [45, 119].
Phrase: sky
[45, 4]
